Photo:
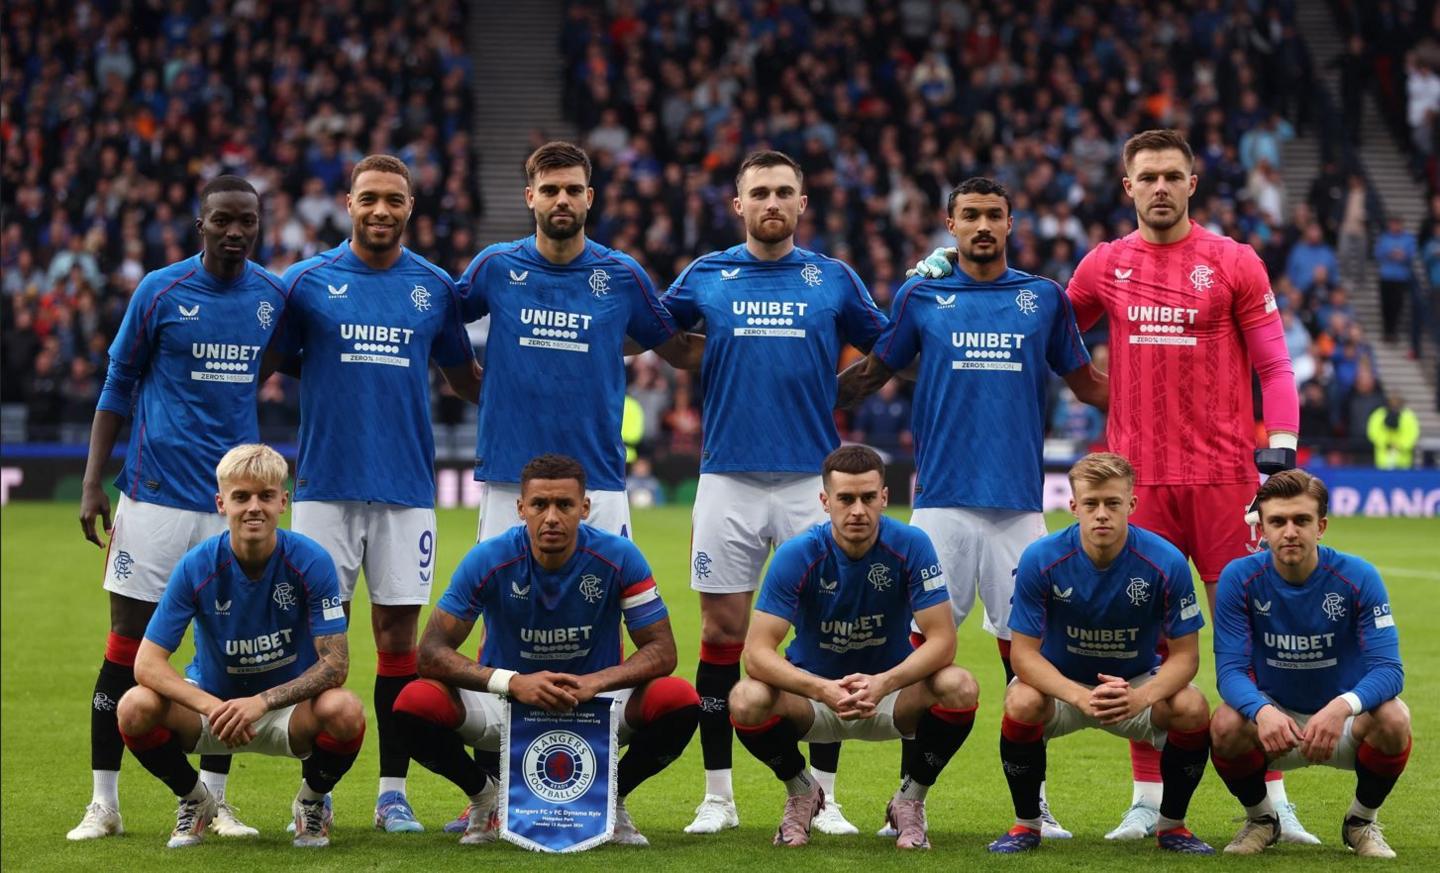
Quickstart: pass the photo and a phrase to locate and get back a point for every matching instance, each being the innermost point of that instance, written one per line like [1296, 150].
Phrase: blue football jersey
[367, 338]
[567, 621]
[986, 353]
[852, 616]
[1092, 621]
[183, 368]
[773, 333]
[554, 365]
[1301, 646]
[250, 634]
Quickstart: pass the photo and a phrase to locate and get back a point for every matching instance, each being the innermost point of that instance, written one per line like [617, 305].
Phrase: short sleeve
[899, 343]
[1084, 289]
[640, 603]
[650, 323]
[861, 321]
[176, 610]
[682, 300]
[462, 598]
[1027, 604]
[473, 289]
[1182, 607]
[451, 347]
[1065, 351]
[927, 581]
[322, 587]
[780, 592]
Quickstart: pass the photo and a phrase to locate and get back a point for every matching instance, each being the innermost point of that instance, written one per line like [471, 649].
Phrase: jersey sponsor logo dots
[1138, 591]
[1090, 642]
[1333, 606]
[987, 350]
[591, 588]
[812, 275]
[123, 565]
[420, 296]
[375, 344]
[1026, 301]
[555, 644]
[265, 314]
[284, 596]
[559, 766]
[1161, 325]
[599, 282]
[879, 577]
[224, 362]
[851, 635]
[702, 565]
[555, 330]
[770, 318]
[1300, 651]
[1202, 278]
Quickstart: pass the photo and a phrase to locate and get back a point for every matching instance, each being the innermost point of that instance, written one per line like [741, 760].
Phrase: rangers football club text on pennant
[557, 785]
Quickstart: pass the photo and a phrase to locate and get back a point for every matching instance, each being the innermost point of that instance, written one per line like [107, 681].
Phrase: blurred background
[1314, 125]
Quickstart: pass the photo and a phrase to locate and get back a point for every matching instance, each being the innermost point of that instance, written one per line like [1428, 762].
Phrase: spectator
[883, 421]
[1395, 252]
[642, 486]
[1360, 206]
[1308, 256]
[1080, 423]
[1394, 430]
[1366, 397]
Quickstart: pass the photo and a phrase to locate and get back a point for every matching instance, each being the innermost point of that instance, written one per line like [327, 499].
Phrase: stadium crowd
[113, 118]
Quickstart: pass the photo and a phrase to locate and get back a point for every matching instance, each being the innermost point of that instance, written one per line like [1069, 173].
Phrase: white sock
[1260, 810]
[799, 784]
[912, 790]
[827, 783]
[1360, 811]
[1276, 792]
[1148, 793]
[1031, 823]
[106, 790]
[308, 794]
[392, 783]
[718, 782]
[1044, 801]
[216, 783]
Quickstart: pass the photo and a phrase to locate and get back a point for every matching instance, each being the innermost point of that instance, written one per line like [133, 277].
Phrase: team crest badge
[1026, 301]
[1138, 591]
[124, 564]
[702, 565]
[420, 296]
[811, 274]
[284, 596]
[590, 588]
[599, 282]
[265, 314]
[1202, 278]
[1333, 606]
[879, 576]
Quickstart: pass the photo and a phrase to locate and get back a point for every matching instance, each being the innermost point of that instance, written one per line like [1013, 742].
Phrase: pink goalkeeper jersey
[1180, 387]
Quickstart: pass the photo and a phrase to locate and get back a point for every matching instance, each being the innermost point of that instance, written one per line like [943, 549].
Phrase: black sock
[216, 763]
[1182, 765]
[1244, 776]
[106, 747]
[936, 742]
[776, 744]
[330, 760]
[1024, 765]
[440, 750]
[1009, 671]
[825, 756]
[394, 757]
[656, 745]
[713, 682]
[1376, 773]
[166, 762]
[489, 762]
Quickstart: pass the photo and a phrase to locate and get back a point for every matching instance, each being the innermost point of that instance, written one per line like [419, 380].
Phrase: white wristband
[1353, 699]
[500, 681]
[1284, 441]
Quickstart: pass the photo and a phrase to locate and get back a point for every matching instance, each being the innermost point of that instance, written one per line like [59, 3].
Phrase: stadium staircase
[517, 92]
[1387, 168]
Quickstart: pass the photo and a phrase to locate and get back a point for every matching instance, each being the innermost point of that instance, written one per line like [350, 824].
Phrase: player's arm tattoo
[860, 380]
[328, 671]
[654, 656]
[440, 659]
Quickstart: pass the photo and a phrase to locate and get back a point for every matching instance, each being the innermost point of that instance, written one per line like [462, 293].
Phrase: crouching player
[1308, 662]
[1091, 602]
[850, 586]
[552, 593]
[270, 657]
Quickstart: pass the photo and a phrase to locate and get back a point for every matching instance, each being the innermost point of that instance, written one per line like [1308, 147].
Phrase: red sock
[1144, 762]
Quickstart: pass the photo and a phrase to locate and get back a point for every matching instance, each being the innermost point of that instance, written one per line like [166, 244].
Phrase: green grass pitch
[54, 624]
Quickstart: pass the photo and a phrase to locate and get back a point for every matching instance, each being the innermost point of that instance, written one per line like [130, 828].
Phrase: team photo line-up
[1096, 625]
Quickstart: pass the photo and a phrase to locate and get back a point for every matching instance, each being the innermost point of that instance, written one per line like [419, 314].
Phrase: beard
[363, 237]
[561, 232]
[771, 233]
[997, 250]
[1165, 222]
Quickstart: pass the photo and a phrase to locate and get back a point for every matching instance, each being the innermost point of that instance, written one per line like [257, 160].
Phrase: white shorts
[979, 549]
[831, 728]
[146, 543]
[272, 736]
[1343, 758]
[395, 545]
[485, 718]
[1067, 720]
[739, 517]
[609, 510]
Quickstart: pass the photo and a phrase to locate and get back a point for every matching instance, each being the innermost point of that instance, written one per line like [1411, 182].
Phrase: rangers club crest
[599, 282]
[1202, 277]
[559, 766]
[590, 587]
[420, 297]
[702, 565]
[879, 576]
[123, 564]
[1333, 606]
[1138, 591]
[1026, 301]
[266, 314]
[284, 596]
[811, 274]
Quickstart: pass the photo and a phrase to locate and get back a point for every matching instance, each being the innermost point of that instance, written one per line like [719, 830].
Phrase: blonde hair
[1101, 467]
[253, 462]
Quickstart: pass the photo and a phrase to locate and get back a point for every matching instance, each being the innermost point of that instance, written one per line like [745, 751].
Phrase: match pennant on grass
[557, 782]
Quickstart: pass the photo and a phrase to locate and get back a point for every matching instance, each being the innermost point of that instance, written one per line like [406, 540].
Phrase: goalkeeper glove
[937, 265]
[1269, 462]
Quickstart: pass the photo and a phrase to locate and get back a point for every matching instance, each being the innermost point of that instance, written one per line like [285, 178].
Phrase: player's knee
[138, 711]
[955, 688]
[666, 695]
[1228, 736]
[429, 700]
[1391, 733]
[1188, 709]
[751, 701]
[1023, 703]
[340, 713]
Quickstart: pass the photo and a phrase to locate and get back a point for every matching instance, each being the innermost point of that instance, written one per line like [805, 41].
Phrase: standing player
[552, 593]
[776, 316]
[270, 656]
[850, 673]
[988, 338]
[1190, 314]
[560, 309]
[1091, 604]
[184, 368]
[1308, 663]
[368, 317]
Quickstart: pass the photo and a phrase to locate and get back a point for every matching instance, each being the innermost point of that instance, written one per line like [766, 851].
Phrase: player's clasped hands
[233, 720]
[1322, 732]
[552, 692]
[1114, 700]
[862, 694]
[1278, 732]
